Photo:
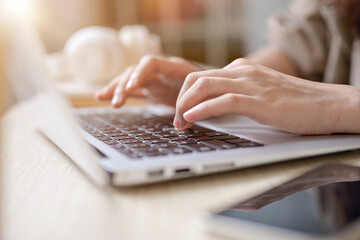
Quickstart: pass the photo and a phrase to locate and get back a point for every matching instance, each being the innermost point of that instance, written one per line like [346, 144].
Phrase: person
[305, 81]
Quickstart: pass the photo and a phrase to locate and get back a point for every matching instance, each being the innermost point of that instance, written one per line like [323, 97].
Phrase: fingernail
[190, 114]
[115, 100]
[176, 122]
[181, 124]
[184, 126]
[131, 81]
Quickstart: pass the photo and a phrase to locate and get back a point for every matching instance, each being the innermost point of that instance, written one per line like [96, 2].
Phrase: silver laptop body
[53, 115]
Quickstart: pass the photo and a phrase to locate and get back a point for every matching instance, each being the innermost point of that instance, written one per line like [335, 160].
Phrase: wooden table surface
[46, 196]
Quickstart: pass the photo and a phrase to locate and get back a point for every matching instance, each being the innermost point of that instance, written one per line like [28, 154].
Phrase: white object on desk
[95, 54]
[98, 54]
[138, 42]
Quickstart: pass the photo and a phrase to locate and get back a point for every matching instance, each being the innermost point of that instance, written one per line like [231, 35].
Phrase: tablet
[319, 213]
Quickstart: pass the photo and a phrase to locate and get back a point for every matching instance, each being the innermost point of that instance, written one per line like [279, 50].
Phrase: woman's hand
[158, 79]
[269, 97]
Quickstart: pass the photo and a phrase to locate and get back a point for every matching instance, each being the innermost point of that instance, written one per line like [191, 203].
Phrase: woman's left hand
[269, 97]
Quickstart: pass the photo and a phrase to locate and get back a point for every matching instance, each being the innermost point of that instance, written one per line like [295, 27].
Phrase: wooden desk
[47, 197]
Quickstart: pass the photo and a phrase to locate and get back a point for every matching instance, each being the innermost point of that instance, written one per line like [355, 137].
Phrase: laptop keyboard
[139, 136]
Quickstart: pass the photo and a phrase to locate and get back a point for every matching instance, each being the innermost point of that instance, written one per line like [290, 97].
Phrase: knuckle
[241, 61]
[231, 98]
[191, 78]
[203, 84]
[176, 59]
[251, 70]
[149, 59]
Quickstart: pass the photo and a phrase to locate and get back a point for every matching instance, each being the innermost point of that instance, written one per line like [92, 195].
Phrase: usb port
[156, 173]
[182, 170]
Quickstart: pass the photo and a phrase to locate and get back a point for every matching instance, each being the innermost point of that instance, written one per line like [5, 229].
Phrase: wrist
[347, 110]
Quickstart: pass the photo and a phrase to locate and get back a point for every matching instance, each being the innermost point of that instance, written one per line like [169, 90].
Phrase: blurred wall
[58, 19]
[255, 15]
[214, 32]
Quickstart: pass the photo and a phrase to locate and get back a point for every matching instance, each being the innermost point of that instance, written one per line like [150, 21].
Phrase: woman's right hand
[157, 79]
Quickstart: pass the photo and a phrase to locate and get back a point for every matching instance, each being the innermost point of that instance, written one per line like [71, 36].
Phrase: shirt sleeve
[300, 31]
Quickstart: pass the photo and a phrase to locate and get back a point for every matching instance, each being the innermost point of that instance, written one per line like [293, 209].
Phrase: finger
[202, 90]
[139, 93]
[225, 104]
[120, 93]
[150, 65]
[107, 92]
[193, 77]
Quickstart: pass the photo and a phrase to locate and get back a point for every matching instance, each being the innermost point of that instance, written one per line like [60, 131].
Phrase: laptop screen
[2, 97]
[34, 88]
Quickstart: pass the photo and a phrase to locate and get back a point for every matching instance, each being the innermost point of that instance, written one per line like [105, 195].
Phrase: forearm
[274, 58]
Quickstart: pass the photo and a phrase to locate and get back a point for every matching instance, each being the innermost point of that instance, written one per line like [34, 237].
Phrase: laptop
[138, 144]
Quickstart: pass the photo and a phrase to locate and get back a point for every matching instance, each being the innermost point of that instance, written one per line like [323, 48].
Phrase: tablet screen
[320, 211]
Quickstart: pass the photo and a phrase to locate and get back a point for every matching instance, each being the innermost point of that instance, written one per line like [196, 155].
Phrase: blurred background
[212, 32]
[209, 31]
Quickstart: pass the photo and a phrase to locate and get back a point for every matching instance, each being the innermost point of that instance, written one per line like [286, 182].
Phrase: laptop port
[182, 170]
[156, 173]
[218, 167]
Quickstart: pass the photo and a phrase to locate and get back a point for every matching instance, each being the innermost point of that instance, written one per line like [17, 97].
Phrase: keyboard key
[167, 128]
[104, 138]
[137, 145]
[185, 142]
[214, 134]
[226, 137]
[130, 153]
[167, 135]
[199, 129]
[144, 134]
[130, 129]
[157, 132]
[191, 135]
[124, 137]
[111, 142]
[119, 147]
[119, 134]
[156, 141]
[137, 131]
[183, 132]
[201, 147]
[202, 138]
[178, 150]
[177, 138]
[153, 129]
[165, 145]
[130, 141]
[149, 137]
